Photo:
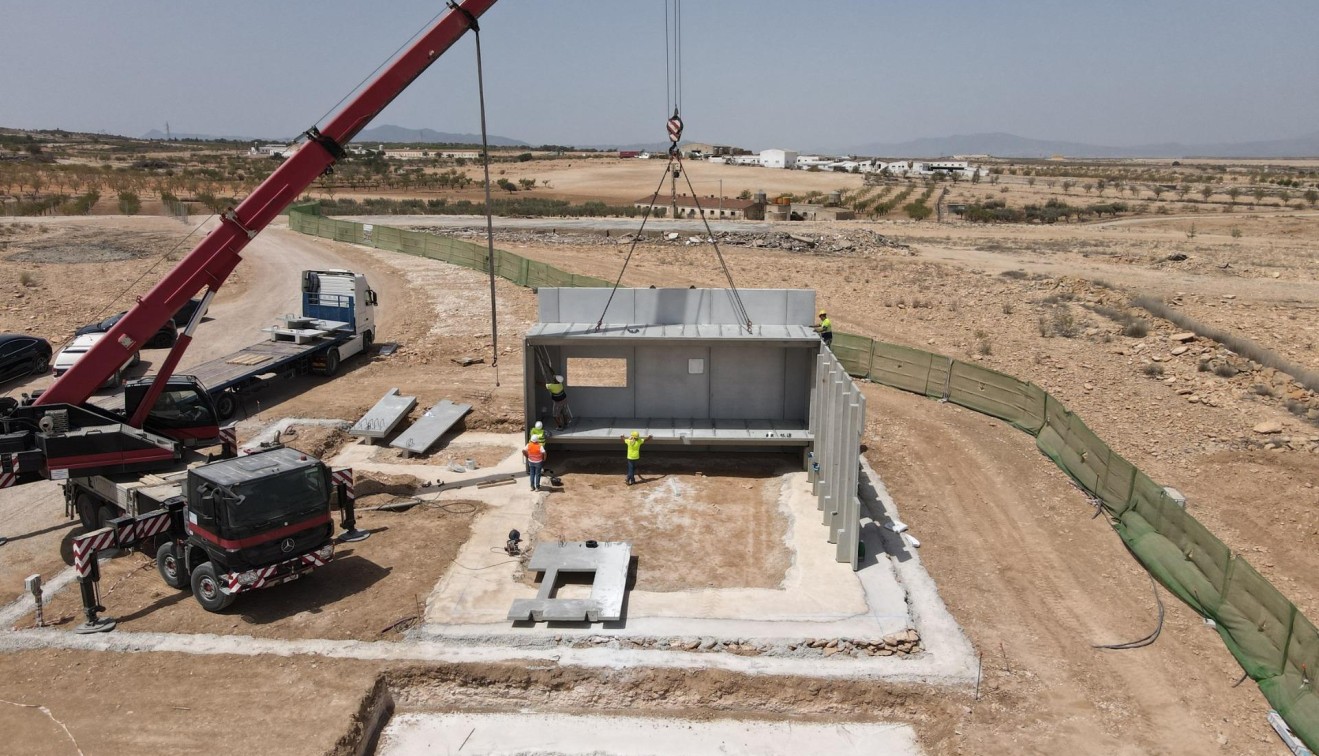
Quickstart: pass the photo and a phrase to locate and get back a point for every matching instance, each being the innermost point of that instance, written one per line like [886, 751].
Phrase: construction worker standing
[826, 329]
[634, 443]
[537, 433]
[559, 395]
[535, 454]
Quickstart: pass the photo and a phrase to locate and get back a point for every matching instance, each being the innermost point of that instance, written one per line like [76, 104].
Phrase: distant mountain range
[997, 144]
[386, 134]
[1010, 145]
[158, 134]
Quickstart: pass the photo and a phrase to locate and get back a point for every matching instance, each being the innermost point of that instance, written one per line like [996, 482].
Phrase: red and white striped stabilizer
[344, 475]
[8, 469]
[132, 532]
[85, 547]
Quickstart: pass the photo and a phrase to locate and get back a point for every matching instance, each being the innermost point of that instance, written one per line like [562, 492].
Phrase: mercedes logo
[286, 545]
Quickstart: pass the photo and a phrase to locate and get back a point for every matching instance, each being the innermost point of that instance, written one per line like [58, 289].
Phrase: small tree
[1206, 192]
[1259, 195]
[507, 185]
[1158, 190]
[1311, 196]
[129, 203]
[1067, 185]
[527, 184]
[1234, 192]
[918, 210]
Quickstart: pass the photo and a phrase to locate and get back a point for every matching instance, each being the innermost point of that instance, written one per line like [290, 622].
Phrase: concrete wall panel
[665, 388]
[747, 383]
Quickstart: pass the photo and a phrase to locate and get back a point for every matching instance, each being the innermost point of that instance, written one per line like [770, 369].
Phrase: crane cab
[183, 411]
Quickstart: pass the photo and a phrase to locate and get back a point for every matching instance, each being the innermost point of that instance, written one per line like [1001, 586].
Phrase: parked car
[163, 339]
[22, 355]
[186, 312]
[83, 344]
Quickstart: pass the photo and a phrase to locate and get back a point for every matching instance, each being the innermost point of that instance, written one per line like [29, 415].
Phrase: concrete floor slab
[818, 596]
[429, 733]
[607, 563]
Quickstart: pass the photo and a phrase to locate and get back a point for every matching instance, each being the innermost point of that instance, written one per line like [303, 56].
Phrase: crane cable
[674, 167]
[491, 262]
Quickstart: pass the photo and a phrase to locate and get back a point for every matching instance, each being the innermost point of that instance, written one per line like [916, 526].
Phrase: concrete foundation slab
[607, 561]
[425, 733]
[387, 413]
[422, 435]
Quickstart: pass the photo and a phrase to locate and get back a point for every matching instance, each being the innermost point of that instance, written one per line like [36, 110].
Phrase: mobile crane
[234, 524]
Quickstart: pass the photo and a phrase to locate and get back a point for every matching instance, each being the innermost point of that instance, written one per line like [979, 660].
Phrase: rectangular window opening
[600, 372]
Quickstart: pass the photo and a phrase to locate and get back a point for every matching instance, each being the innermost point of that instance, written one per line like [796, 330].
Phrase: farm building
[725, 208]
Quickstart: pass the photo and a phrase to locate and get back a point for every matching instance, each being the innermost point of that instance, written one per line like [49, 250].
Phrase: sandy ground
[1033, 580]
[726, 513]
[365, 593]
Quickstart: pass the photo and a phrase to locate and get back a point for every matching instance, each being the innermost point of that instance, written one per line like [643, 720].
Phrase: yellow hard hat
[635, 434]
[821, 313]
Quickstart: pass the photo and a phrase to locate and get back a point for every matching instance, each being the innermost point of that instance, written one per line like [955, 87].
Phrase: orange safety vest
[535, 452]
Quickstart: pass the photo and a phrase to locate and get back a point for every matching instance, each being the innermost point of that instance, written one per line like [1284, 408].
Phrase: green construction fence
[1275, 644]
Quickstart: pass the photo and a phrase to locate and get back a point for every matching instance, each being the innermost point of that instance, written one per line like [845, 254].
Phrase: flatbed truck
[336, 323]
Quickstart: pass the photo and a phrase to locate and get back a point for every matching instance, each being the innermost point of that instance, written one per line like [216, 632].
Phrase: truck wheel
[368, 340]
[225, 405]
[104, 515]
[206, 588]
[331, 365]
[171, 566]
[85, 505]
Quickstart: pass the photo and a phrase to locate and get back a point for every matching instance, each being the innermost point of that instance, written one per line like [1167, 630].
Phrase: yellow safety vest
[826, 326]
[555, 389]
[538, 435]
[634, 447]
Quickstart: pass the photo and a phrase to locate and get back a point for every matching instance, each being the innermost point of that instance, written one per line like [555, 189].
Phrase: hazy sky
[806, 74]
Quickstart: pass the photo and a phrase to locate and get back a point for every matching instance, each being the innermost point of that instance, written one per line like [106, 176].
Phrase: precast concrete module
[677, 364]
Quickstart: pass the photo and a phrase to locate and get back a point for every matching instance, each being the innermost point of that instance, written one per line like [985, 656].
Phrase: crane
[58, 432]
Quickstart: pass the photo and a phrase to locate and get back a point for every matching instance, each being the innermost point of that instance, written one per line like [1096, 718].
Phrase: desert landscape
[970, 592]
[1029, 574]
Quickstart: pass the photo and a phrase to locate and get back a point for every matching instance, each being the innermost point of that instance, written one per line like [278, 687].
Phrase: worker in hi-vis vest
[826, 329]
[633, 443]
[559, 395]
[534, 453]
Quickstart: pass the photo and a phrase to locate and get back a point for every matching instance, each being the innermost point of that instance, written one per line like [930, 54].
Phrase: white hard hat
[558, 379]
[539, 425]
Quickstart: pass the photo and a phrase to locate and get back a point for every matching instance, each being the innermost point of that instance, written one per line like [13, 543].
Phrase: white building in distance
[778, 158]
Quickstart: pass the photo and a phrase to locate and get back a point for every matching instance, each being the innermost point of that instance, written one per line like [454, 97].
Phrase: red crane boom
[214, 258]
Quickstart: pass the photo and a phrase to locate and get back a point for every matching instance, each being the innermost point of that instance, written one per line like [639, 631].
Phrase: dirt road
[1035, 581]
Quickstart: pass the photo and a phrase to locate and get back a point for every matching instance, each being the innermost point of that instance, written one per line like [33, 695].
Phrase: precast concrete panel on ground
[387, 413]
[422, 435]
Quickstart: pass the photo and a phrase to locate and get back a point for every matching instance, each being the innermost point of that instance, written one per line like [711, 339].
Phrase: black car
[163, 339]
[22, 355]
[186, 312]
